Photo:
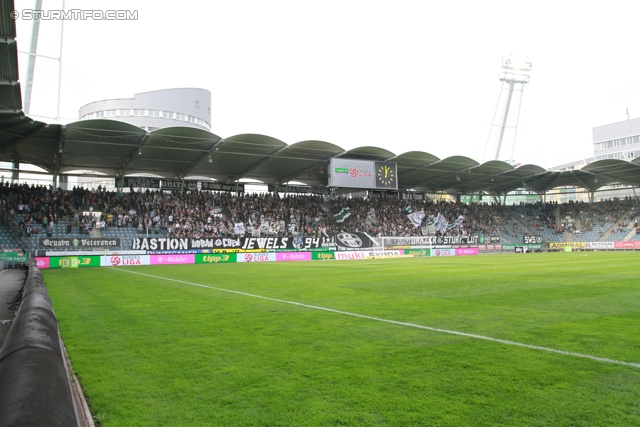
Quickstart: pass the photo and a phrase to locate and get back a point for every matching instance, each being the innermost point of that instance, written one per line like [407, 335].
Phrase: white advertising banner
[443, 252]
[599, 245]
[346, 255]
[256, 257]
[351, 255]
[121, 260]
[385, 254]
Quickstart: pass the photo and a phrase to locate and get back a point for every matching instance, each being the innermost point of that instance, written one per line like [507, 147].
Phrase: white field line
[396, 322]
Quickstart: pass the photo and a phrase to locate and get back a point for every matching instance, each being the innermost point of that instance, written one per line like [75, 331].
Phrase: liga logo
[355, 172]
[256, 258]
[125, 260]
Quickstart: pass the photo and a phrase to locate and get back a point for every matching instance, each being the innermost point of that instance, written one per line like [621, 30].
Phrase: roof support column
[15, 175]
[63, 182]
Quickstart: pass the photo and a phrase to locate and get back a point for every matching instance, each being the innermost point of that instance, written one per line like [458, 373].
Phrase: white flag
[239, 228]
[371, 216]
[416, 218]
[441, 223]
[458, 221]
[265, 228]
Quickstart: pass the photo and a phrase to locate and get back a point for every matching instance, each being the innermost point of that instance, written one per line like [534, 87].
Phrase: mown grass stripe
[396, 322]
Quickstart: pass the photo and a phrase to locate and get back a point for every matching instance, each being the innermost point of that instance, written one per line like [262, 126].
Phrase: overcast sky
[403, 75]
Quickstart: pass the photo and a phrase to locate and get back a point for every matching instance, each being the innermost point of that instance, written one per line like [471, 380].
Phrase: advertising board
[123, 260]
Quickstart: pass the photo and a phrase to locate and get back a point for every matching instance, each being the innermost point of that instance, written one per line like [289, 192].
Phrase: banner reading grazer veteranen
[65, 242]
[339, 241]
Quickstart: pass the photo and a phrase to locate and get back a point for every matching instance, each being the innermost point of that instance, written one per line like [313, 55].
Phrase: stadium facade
[190, 107]
[617, 140]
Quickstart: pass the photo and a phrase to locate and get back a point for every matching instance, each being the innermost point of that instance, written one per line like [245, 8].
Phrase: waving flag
[371, 216]
[458, 222]
[441, 223]
[416, 218]
[342, 215]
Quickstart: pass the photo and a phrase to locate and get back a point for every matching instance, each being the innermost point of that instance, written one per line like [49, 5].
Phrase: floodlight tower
[33, 54]
[515, 74]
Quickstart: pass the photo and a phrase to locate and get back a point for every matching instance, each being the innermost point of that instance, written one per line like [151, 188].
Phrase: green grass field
[172, 346]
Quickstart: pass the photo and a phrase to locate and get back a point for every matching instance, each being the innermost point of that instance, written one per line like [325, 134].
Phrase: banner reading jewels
[339, 241]
[63, 243]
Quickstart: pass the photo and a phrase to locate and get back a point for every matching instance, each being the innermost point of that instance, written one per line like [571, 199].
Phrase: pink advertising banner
[172, 259]
[466, 251]
[293, 256]
[627, 245]
[42, 262]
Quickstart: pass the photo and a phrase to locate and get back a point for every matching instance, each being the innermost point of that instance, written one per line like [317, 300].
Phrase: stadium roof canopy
[117, 149]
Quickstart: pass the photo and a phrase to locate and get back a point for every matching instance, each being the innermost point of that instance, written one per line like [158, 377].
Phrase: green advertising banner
[417, 252]
[318, 256]
[74, 261]
[13, 257]
[215, 258]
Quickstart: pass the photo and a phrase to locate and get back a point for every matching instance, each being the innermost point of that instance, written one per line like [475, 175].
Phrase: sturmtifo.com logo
[74, 15]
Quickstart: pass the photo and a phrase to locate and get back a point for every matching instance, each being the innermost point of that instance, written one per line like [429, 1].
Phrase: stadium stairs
[610, 236]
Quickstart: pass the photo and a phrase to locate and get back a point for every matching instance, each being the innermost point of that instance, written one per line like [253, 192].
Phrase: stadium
[362, 288]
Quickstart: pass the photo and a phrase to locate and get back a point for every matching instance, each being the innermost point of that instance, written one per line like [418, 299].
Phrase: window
[124, 112]
[153, 113]
[167, 114]
[138, 112]
[99, 114]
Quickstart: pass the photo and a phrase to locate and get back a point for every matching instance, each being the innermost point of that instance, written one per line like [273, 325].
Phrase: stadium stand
[33, 212]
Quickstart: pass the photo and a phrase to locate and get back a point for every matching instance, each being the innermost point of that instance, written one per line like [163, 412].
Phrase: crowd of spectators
[221, 214]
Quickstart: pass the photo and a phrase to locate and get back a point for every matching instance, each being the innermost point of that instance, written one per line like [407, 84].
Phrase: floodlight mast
[515, 74]
[33, 54]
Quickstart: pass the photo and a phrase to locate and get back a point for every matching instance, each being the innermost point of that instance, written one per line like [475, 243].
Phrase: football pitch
[543, 339]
